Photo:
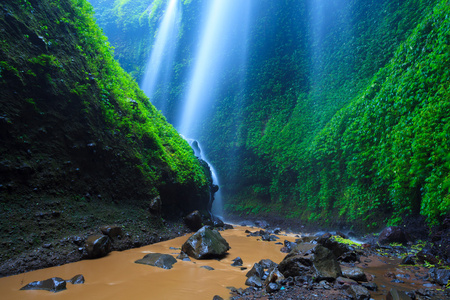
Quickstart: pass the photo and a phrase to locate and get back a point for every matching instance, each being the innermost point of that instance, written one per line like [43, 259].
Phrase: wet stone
[354, 273]
[257, 270]
[206, 243]
[237, 262]
[164, 261]
[254, 280]
[77, 279]
[207, 268]
[97, 246]
[54, 284]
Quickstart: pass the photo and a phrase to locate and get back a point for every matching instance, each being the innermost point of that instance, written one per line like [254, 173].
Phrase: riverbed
[116, 276]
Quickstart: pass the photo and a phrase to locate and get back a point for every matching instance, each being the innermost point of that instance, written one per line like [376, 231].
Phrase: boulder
[97, 246]
[164, 261]
[312, 259]
[337, 248]
[345, 281]
[257, 270]
[205, 243]
[354, 273]
[194, 220]
[54, 284]
[112, 231]
[392, 234]
[358, 292]
[155, 206]
[267, 263]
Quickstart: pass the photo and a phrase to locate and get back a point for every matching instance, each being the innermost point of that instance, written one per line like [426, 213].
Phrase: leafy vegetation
[88, 126]
[340, 113]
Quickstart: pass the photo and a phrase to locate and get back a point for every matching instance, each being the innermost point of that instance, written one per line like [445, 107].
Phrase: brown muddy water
[116, 276]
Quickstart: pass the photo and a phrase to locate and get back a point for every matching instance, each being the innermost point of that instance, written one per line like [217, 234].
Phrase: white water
[217, 205]
[157, 71]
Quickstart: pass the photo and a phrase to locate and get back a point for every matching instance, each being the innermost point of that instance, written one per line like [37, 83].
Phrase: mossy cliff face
[74, 125]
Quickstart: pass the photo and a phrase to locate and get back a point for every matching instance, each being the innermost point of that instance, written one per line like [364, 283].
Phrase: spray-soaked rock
[205, 243]
[54, 285]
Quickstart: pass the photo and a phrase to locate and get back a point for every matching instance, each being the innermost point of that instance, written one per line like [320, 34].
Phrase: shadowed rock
[97, 246]
[164, 261]
[206, 243]
[393, 294]
[311, 259]
[392, 234]
[257, 270]
[194, 220]
[254, 280]
[54, 285]
[111, 231]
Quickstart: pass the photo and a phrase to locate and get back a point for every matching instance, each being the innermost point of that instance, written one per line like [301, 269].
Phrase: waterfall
[158, 69]
[217, 204]
[223, 28]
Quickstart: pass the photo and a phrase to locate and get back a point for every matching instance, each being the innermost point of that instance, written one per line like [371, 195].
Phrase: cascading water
[223, 19]
[158, 69]
[222, 30]
[217, 204]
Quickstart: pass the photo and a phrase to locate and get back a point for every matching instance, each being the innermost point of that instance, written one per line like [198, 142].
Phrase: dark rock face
[54, 285]
[392, 234]
[111, 231]
[311, 259]
[440, 276]
[205, 243]
[164, 261]
[97, 246]
[155, 206]
[194, 220]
